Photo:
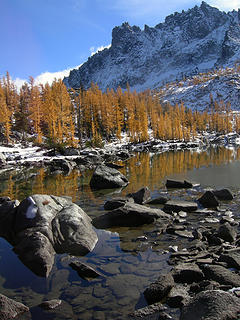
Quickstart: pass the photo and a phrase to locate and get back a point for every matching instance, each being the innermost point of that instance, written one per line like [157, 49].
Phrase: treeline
[56, 116]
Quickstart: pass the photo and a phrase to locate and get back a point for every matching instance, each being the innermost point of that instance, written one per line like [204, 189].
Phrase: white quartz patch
[32, 209]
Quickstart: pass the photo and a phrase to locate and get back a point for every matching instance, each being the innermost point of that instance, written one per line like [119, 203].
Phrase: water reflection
[143, 169]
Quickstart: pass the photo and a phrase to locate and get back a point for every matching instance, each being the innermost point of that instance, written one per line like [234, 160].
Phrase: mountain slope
[186, 43]
[201, 91]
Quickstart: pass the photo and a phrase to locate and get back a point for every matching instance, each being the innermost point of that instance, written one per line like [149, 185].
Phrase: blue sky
[40, 36]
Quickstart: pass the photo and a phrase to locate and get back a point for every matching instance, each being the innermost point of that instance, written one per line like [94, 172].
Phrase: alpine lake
[129, 259]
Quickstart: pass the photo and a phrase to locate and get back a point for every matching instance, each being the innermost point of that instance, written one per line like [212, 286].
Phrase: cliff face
[186, 43]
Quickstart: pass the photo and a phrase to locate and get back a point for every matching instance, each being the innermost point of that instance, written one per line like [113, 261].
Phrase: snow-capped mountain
[186, 43]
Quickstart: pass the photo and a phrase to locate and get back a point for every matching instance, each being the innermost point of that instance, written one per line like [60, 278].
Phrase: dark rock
[84, 271]
[212, 305]
[178, 184]
[10, 309]
[123, 155]
[141, 196]
[221, 275]
[223, 194]
[36, 252]
[208, 200]
[176, 206]
[159, 289]
[232, 258]
[107, 178]
[131, 214]
[159, 200]
[116, 203]
[50, 304]
[7, 217]
[187, 273]
[148, 312]
[178, 297]
[70, 152]
[62, 164]
[227, 233]
[204, 286]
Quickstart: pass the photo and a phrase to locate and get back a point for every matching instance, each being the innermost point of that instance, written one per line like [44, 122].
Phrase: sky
[46, 38]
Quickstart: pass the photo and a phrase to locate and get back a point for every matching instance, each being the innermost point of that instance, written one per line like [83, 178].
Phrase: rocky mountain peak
[199, 39]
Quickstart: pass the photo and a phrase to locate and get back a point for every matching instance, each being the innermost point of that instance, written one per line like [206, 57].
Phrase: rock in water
[107, 178]
[47, 224]
[141, 196]
[84, 270]
[130, 215]
[208, 200]
[10, 309]
[212, 305]
[178, 184]
[223, 194]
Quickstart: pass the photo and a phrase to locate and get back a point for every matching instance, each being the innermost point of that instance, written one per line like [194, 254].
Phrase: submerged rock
[212, 305]
[50, 304]
[107, 178]
[130, 215]
[84, 271]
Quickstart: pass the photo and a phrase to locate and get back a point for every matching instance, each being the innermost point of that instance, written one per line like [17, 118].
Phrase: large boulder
[47, 224]
[107, 178]
[212, 305]
[130, 215]
[10, 309]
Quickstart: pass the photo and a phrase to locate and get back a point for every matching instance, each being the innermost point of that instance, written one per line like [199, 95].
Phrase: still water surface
[128, 265]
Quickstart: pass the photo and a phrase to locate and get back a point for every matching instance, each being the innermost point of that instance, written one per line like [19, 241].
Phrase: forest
[52, 115]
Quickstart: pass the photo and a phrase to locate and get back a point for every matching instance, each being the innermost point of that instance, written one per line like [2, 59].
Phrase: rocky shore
[66, 159]
[204, 280]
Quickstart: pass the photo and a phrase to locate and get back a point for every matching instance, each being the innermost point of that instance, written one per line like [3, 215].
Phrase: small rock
[178, 184]
[223, 194]
[208, 200]
[187, 273]
[227, 233]
[177, 206]
[221, 274]
[141, 196]
[159, 289]
[50, 304]
[84, 271]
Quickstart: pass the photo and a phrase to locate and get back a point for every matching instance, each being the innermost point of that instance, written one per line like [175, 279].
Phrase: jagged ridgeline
[186, 43]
